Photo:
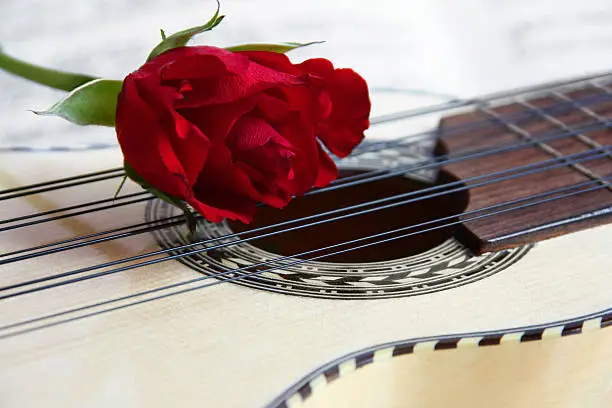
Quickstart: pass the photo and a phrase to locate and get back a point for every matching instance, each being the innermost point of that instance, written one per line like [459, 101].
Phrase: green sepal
[66, 81]
[277, 47]
[138, 179]
[121, 184]
[93, 103]
[181, 38]
[177, 202]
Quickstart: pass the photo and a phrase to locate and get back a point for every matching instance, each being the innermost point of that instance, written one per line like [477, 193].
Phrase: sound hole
[355, 227]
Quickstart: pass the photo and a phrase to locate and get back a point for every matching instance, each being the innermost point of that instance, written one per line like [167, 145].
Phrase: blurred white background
[461, 48]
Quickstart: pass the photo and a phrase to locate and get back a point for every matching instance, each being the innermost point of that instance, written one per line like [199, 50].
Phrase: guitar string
[72, 207]
[374, 175]
[530, 112]
[122, 235]
[602, 211]
[552, 196]
[171, 222]
[525, 114]
[449, 132]
[150, 228]
[72, 243]
[451, 104]
[118, 172]
[446, 159]
[508, 174]
[53, 185]
[146, 229]
[114, 145]
[495, 96]
[61, 180]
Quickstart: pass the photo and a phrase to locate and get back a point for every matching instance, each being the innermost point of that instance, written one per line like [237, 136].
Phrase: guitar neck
[557, 140]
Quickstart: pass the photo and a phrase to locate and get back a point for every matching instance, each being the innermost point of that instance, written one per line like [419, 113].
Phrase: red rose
[224, 130]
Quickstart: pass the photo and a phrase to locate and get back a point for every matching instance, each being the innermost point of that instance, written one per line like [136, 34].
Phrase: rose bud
[225, 130]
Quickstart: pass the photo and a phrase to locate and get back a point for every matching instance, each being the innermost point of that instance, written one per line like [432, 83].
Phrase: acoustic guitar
[465, 266]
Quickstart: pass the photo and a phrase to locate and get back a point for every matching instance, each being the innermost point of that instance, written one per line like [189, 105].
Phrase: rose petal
[313, 104]
[221, 179]
[274, 60]
[140, 139]
[344, 128]
[188, 144]
[229, 87]
[328, 171]
[226, 130]
[318, 66]
[216, 121]
[251, 132]
[204, 62]
[221, 174]
[305, 163]
[272, 106]
[264, 154]
[224, 205]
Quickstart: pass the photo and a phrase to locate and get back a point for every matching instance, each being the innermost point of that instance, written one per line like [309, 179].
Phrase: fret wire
[375, 175]
[544, 146]
[231, 279]
[586, 110]
[446, 159]
[533, 169]
[579, 135]
[475, 124]
[603, 87]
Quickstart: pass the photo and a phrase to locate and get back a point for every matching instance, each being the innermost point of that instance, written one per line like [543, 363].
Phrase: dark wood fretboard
[562, 139]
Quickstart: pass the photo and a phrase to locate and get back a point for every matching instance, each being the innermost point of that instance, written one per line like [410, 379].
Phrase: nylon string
[350, 211]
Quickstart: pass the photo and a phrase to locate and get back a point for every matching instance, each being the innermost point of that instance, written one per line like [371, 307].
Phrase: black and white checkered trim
[303, 389]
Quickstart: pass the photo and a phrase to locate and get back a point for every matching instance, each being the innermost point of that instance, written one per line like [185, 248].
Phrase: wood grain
[231, 346]
[545, 220]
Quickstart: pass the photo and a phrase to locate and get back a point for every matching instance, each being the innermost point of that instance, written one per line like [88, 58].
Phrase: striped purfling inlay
[347, 366]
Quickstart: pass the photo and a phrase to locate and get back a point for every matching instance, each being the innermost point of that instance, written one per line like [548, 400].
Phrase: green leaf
[181, 38]
[137, 178]
[93, 103]
[120, 186]
[177, 202]
[277, 47]
[66, 81]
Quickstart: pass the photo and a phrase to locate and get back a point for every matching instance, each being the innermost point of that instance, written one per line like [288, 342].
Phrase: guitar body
[525, 326]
